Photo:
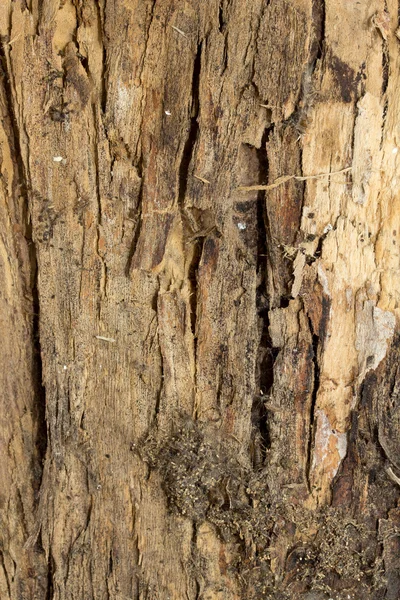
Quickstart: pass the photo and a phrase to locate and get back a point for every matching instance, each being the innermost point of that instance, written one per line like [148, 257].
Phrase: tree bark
[199, 256]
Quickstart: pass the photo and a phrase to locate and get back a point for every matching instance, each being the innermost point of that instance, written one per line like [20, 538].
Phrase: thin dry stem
[285, 178]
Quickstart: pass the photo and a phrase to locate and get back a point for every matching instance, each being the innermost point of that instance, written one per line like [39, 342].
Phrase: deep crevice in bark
[37, 374]
[194, 128]
[194, 548]
[21, 182]
[110, 563]
[385, 66]
[161, 388]
[192, 276]
[136, 233]
[318, 16]
[104, 74]
[6, 577]
[183, 182]
[266, 353]
[50, 572]
[315, 344]
[221, 22]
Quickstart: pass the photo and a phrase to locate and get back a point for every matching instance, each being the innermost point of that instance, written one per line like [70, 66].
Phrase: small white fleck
[329, 227]
[57, 158]
[65, 367]
[99, 487]
[242, 226]
[168, 113]
[395, 150]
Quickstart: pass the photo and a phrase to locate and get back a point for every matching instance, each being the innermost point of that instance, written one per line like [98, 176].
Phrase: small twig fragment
[392, 475]
[285, 178]
[201, 179]
[14, 39]
[105, 339]
[179, 31]
[269, 106]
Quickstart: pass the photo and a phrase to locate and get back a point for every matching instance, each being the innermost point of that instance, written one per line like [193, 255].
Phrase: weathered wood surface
[199, 382]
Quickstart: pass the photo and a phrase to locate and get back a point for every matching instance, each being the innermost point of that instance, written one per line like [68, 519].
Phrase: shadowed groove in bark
[318, 15]
[192, 274]
[183, 181]
[266, 353]
[194, 128]
[138, 226]
[21, 181]
[384, 115]
[221, 22]
[385, 66]
[104, 74]
[4, 569]
[161, 388]
[50, 573]
[194, 544]
[316, 382]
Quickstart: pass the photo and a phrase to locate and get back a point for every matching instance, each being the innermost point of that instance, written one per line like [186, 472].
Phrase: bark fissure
[261, 441]
[221, 22]
[316, 383]
[197, 586]
[319, 15]
[6, 575]
[137, 229]
[193, 129]
[50, 578]
[193, 276]
[160, 389]
[20, 188]
[384, 115]
[186, 163]
[104, 71]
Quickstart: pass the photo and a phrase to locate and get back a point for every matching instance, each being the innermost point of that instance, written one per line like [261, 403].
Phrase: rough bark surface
[199, 300]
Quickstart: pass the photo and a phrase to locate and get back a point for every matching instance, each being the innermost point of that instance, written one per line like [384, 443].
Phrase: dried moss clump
[204, 480]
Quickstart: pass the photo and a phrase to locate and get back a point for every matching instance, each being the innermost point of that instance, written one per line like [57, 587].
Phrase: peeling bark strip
[199, 254]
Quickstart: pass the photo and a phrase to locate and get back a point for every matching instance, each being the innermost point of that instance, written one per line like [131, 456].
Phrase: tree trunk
[199, 259]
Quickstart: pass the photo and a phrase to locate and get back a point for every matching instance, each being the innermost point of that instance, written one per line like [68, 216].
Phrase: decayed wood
[200, 216]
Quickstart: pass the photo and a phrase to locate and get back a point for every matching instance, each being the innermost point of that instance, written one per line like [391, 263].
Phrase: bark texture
[199, 300]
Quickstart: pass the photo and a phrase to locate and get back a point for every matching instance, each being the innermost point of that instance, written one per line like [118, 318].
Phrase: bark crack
[20, 188]
[316, 384]
[261, 441]
[193, 130]
[50, 573]
[186, 160]
[385, 56]
[103, 283]
[6, 577]
[136, 233]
